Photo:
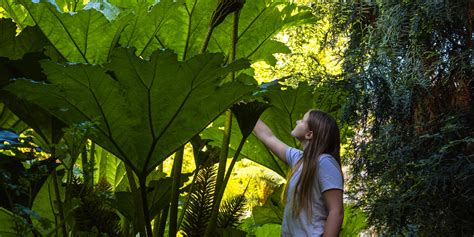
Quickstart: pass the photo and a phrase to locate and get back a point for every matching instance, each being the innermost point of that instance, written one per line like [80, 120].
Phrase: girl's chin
[296, 137]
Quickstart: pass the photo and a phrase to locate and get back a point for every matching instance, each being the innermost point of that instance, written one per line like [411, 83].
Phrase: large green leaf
[45, 200]
[178, 25]
[145, 109]
[86, 36]
[355, 221]
[108, 168]
[14, 47]
[16, 12]
[7, 223]
[46, 126]
[183, 25]
[9, 120]
[260, 21]
[148, 20]
[272, 210]
[186, 30]
[268, 230]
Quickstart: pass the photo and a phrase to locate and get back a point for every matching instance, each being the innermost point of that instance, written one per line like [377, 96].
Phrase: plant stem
[146, 213]
[136, 197]
[220, 186]
[220, 173]
[207, 39]
[231, 166]
[92, 163]
[58, 199]
[186, 203]
[176, 175]
[85, 166]
[163, 218]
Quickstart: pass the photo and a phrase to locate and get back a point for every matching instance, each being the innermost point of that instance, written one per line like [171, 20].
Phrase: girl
[315, 183]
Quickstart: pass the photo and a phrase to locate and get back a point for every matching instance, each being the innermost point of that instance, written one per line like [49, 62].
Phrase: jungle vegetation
[126, 118]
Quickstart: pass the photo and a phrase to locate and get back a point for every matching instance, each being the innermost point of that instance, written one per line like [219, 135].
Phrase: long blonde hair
[325, 140]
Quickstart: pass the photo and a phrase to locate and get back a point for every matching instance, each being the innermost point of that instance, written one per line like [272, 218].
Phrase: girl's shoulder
[327, 159]
[293, 155]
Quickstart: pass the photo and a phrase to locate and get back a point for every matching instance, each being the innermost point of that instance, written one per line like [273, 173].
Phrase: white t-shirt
[330, 177]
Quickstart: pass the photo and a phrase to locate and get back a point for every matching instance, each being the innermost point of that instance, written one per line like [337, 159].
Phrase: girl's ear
[309, 135]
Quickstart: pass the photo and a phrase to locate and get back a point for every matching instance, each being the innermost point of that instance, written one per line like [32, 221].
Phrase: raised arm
[265, 134]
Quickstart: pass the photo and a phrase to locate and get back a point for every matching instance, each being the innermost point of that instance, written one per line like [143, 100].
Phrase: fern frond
[231, 211]
[94, 211]
[199, 210]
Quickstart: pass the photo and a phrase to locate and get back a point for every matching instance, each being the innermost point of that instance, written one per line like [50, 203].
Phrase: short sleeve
[292, 156]
[330, 176]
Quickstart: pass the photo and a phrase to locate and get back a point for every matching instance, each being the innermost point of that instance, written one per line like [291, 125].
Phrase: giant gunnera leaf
[14, 47]
[144, 109]
[83, 36]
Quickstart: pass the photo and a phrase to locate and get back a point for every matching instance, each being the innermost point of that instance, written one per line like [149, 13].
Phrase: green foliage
[45, 204]
[10, 121]
[109, 168]
[94, 213]
[355, 221]
[268, 230]
[148, 21]
[137, 87]
[7, 224]
[271, 211]
[14, 47]
[201, 201]
[409, 69]
[86, 36]
[231, 211]
[415, 171]
[16, 12]
[259, 22]
[144, 104]
[24, 172]
[198, 213]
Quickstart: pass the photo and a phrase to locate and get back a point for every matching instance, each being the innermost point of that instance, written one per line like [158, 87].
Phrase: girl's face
[301, 131]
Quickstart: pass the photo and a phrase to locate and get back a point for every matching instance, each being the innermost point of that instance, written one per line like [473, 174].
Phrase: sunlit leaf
[259, 22]
[86, 36]
[147, 21]
[17, 13]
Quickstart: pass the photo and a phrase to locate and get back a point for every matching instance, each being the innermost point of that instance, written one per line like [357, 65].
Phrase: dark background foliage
[409, 68]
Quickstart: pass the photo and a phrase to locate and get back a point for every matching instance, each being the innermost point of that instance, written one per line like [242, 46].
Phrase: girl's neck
[304, 143]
